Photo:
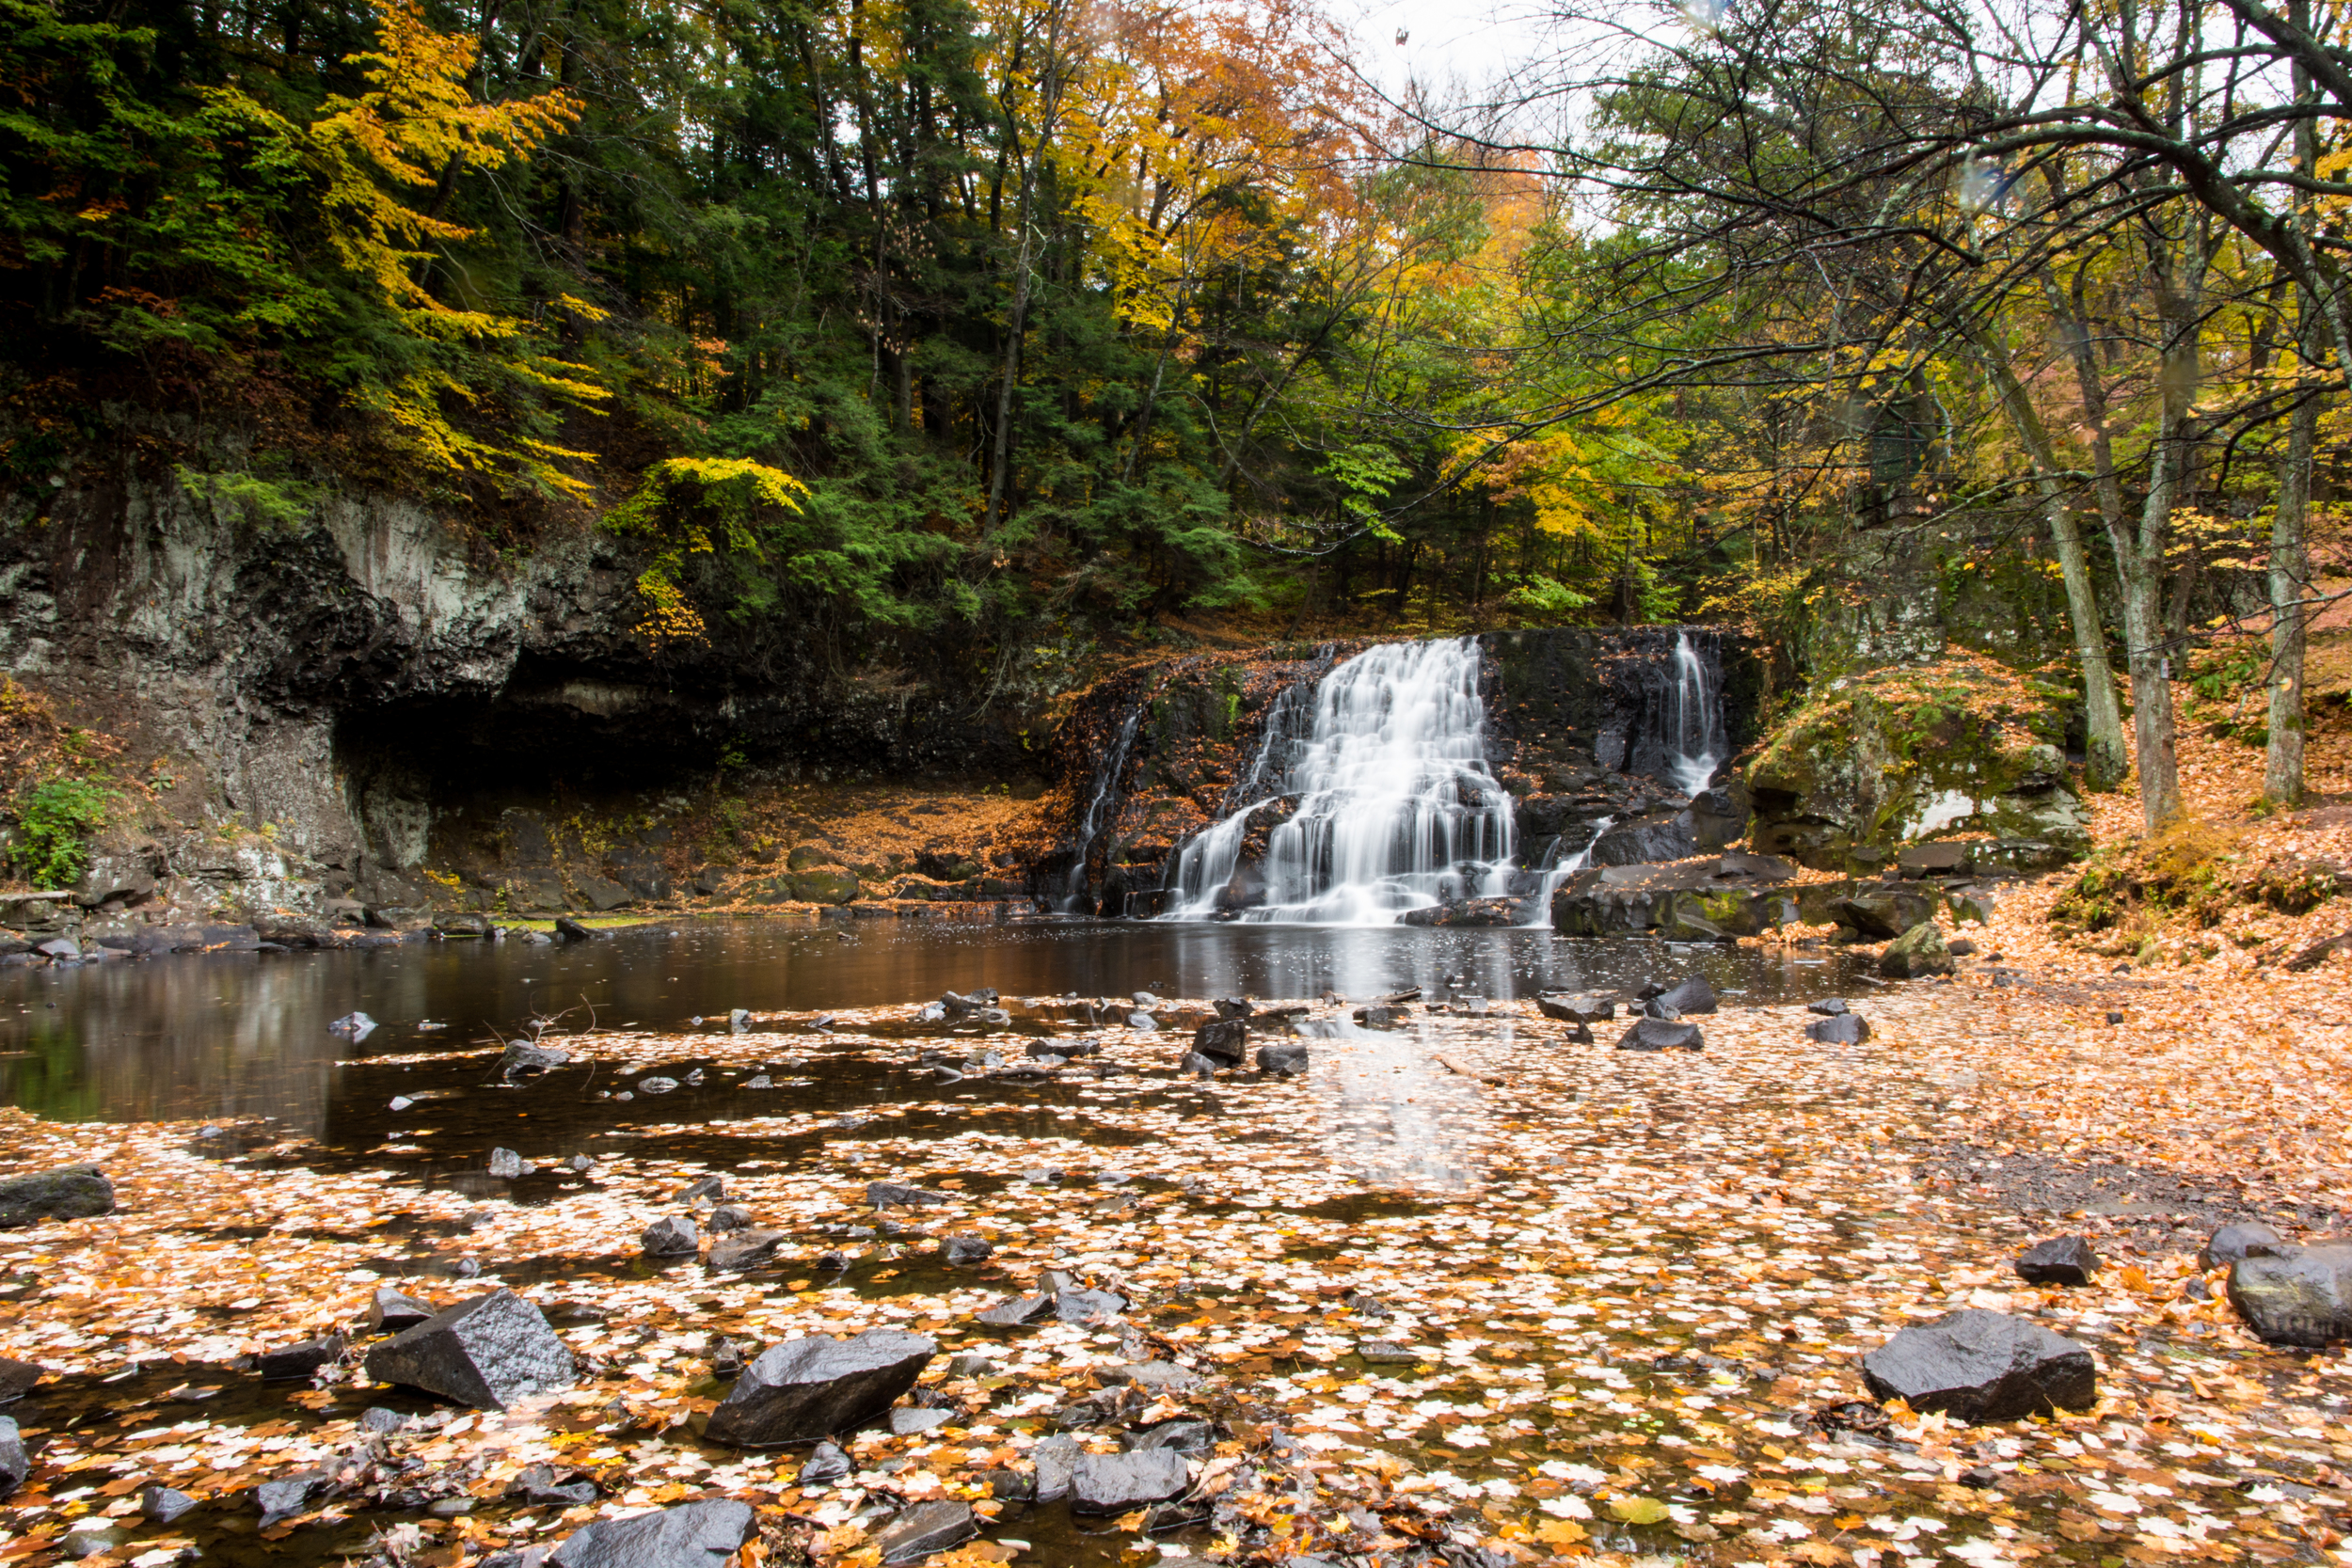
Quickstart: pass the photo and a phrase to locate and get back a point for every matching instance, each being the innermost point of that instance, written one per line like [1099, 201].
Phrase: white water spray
[1694, 722]
[1395, 809]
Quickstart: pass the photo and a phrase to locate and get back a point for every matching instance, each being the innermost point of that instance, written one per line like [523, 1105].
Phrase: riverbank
[1462, 1287]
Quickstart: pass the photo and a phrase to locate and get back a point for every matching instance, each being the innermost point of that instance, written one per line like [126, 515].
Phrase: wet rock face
[1979, 1365]
[2296, 1295]
[807, 1389]
[1690, 901]
[695, 1535]
[485, 1353]
[68, 1192]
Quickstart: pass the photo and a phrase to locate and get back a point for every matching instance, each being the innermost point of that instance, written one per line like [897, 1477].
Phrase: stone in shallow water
[14, 1464]
[161, 1505]
[1831, 1008]
[826, 1464]
[906, 1422]
[1386, 1352]
[1088, 1306]
[1227, 1040]
[809, 1388]
[1694, 995]
[2060, 1260]
[925, 1528]
[290, 1362]
[390, 1311]
[16, 1379]
[1658, 1033]
[1056, 1462]
[1193, 1439]
[1917, 953]
[671, 1236]
[2296, 1295]
[1576, 1009]
[738, 1250]
[1117, 1482]
[283, 1499]
[2233, 1242]
[694, 1535]
[1159, 1377]
[896, 1194]
[965, 1249]
[68, 1192]
[1017, 1312]
[505, 1164]
[1283, 1061]
[1839, 1029]
[484, 1352]
[1979, 1365]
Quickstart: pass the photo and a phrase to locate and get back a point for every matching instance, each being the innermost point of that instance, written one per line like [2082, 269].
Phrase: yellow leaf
[1637, 1511]
[1560, 1532]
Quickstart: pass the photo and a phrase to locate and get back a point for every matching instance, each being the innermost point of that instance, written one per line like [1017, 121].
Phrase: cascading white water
[1559, 870]
[1395, 809]
[1105, 788]
[1694, 722]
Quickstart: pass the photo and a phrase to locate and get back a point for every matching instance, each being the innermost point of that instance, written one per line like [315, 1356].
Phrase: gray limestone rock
[925, 1528]
[1658, 1033]
[1979, 1365]
[806, 1389]
[692, 1535]
[1118, 1482]
[671, 1236]
[484, 1352]
[2296, 1295]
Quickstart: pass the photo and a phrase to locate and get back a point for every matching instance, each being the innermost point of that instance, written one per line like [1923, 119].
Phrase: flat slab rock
[2296, 1295]
[805, 1389]
[1116, 1483]
[925, 1528]
[1979, 1365]
[694, 1535]
[1657, 1033]
[485, 1353]
[68, 1192]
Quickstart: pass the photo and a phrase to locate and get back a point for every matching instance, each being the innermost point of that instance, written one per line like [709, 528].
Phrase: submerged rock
[826, 1464]
[895, 1195]
[1979, 1365]
[809, 1388]
[1088, 1306]
[738, 1250]
[484, 1352]
[389, 1311]
[692, 1535]
[1658, 1033]
[1576, 1009]
[14, 1464]
[1017, 1313]
[526, 1060]
[160, 1504]
[16, 1379]
[965, 1249]
[2061, 1260]
[925, 1528]
[506, 1164]
[1227, 1040]
[293, 1362]
[2296, 1295]
[67, 1192]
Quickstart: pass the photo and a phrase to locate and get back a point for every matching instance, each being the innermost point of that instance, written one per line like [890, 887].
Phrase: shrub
[56, 822]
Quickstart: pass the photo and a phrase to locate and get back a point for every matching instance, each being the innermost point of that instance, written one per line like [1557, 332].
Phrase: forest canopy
[901, 315]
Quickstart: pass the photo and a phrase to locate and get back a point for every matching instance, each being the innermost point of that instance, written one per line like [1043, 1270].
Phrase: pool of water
[230, 1037]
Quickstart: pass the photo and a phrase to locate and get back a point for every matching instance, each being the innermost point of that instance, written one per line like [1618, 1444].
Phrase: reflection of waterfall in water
[1558, 869]
[1395, 807]
[1694, 720]
[1105, 794]
[1388, 1115]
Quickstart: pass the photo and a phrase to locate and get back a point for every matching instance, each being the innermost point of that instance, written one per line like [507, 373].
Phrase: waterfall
[1105, 794]
[1395, 807]
[1694, 720]
[1559, 870]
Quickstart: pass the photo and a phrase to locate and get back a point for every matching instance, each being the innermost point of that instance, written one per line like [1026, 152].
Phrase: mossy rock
[1869, 763]
[1917, 953]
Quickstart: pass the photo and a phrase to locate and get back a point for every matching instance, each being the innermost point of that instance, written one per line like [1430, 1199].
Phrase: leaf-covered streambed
[1466, 1293]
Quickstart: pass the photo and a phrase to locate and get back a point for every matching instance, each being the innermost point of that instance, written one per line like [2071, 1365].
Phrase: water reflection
[233, 1036]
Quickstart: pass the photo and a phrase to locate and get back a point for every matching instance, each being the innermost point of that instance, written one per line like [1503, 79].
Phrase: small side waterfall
[1694, 720]
[1394, 808]
[1560, 869]
[1099, 812]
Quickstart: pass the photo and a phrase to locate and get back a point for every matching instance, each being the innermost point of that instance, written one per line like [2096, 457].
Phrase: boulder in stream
[390, 1311]
[1227, 1040]
[1286, 1060]
[738, 1250]
[808, 1388]
[1017, 1313]
[1658, 1033]
[1576, 1009]
[1917, 953]
[671, 1236]
[825, 1464]
[1119, 1482]
[506, 1164]
[290, 1363]
[1979, 1365]
[524, 1059]
[1694, 995]
[2296, 1295]
[14, 1463]
[2233, 1242]
[67, 1192]
[482, 1352]
[691, 1535]
[1840, 1029]
[16, 1379]
[2060, 1260]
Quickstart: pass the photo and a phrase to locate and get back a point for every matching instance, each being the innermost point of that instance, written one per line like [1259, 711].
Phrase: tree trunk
[2105, 761]
[2283, 761]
